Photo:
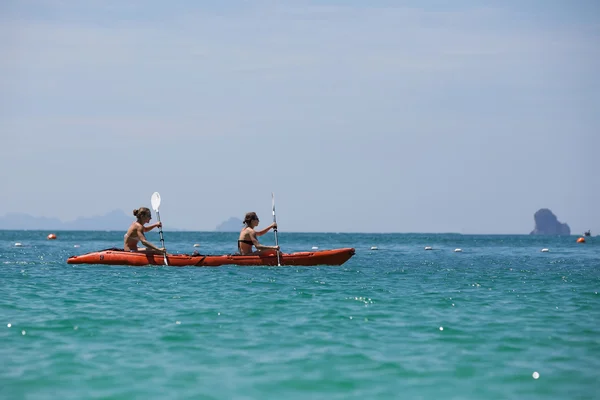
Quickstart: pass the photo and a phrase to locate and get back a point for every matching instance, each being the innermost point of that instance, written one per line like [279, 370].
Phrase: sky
[379, 116]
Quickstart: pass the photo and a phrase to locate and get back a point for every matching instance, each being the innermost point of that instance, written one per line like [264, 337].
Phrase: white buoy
[373, 247]
[545, 250]
[315, 248]
[76, 246]
[536, 375]
[428, 248]
[458, 250]
[18, 244]
[196, 245]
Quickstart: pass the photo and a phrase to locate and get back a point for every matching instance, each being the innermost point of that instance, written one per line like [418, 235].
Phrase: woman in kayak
[248, 236]
[135, 233]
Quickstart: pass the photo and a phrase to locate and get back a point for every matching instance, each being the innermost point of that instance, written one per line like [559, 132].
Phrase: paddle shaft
[275, 229]
[162, 240]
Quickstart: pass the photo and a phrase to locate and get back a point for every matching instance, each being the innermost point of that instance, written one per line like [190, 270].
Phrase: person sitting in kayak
[248, 236]
[135, 233]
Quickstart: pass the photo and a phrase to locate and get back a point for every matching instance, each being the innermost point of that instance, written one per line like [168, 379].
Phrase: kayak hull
[140, 259]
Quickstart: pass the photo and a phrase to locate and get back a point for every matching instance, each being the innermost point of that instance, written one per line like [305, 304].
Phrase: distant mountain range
[115, 220]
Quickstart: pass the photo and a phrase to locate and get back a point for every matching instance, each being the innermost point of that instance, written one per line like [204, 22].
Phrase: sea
[500, 319]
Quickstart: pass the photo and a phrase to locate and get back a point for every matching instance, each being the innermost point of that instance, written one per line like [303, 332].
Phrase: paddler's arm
[150, 227]
[146, 243]
[153, 247]
[261, 246]
[267, 229]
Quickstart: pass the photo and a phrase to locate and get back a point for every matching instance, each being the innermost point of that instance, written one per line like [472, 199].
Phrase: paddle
[275, 229]
[155, 200]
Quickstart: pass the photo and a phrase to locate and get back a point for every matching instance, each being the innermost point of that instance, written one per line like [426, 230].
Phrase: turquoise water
[369, 329]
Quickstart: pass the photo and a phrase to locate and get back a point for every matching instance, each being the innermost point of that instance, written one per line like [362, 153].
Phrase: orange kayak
[305, 258]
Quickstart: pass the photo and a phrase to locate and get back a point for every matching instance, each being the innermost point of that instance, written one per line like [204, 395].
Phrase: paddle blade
[155, 201]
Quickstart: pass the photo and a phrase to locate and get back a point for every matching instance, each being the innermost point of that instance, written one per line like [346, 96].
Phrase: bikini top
[244, 241]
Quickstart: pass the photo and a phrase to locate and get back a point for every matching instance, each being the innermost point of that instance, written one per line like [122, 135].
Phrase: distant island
[546, 223]
[115, 220]
[231, 225]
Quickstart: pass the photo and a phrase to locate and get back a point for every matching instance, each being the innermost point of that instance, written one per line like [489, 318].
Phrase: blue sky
[396, 116]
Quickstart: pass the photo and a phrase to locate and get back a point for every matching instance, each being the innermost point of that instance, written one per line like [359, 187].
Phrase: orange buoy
[581, 240]
[51, 236]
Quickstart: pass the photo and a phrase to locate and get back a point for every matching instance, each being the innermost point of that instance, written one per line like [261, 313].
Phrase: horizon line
[307, 232]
